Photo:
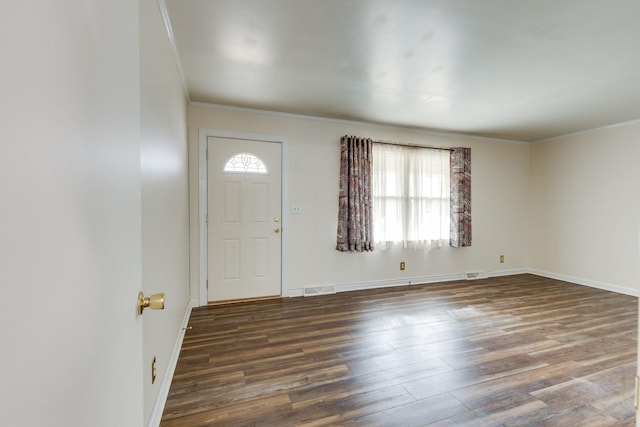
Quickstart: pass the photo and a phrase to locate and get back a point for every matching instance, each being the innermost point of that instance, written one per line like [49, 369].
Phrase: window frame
[406, 227]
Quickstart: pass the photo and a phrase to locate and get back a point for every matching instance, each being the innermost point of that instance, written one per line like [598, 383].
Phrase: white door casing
[242, 194]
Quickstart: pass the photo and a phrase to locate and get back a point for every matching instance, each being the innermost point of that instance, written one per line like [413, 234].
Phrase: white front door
[244, 216]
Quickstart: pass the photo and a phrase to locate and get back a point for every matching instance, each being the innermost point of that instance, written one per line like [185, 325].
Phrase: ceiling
[522, 70]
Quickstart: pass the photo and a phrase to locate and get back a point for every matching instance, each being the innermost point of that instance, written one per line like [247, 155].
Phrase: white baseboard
[293, 293]
[359, 286]
[161, 400]
[511, 272]
[346, 287]
[406, 281]
[586, 282]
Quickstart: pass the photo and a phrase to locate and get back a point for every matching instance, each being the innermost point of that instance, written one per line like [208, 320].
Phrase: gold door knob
[277, 230]
[154, 302]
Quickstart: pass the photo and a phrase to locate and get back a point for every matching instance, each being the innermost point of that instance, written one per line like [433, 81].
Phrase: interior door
[244, 219]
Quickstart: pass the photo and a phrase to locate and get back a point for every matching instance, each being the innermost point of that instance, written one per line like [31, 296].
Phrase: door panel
[244, 210]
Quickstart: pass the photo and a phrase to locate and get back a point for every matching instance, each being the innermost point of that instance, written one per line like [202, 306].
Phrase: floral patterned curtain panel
[460, 197]
[354, 201]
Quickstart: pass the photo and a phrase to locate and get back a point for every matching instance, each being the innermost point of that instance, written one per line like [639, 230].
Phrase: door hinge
[207, 284]
[207, 220]
[637, 396]
[207, 154]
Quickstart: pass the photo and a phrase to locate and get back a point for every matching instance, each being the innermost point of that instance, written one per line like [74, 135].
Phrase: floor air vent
[319, 290]
[472, 275]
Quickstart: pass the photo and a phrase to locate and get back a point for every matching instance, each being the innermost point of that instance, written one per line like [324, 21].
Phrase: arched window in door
[245, 163]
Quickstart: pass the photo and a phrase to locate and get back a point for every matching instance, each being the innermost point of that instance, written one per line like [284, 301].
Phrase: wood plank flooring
[512, 351]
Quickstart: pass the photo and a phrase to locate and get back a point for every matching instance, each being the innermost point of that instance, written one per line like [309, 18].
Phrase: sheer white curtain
[410, 196]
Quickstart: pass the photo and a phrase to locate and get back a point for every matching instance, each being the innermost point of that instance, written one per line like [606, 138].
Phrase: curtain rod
[404, 144]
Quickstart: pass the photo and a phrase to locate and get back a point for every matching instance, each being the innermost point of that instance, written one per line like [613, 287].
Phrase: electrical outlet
[153, 370]
[501, 259]
[402, 265]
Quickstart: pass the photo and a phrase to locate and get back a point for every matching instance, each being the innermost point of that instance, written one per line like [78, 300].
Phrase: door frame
[203, 136]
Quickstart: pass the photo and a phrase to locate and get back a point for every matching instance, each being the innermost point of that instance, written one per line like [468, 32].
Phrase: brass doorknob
[154, 302]
[277, 230]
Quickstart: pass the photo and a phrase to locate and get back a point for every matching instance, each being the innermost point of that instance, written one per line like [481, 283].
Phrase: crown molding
[423, 131]
[586, 131]
[174, 49]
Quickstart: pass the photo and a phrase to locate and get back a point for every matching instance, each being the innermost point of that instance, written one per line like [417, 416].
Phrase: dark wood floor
[515, 351]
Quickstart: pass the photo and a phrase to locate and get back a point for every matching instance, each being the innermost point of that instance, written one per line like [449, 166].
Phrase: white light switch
[296, 209]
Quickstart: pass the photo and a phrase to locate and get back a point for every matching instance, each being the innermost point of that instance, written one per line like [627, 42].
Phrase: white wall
[165, 216]
[500, 175]
[70, 217]
[585, 208]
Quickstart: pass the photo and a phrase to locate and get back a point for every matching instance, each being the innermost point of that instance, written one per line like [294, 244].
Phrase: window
[246, 163]
[410, 196]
